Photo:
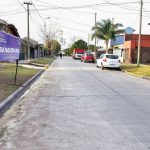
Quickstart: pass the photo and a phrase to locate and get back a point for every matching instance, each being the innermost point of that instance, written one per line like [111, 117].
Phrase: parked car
[77, 53]
[108, 61]
[87, 57]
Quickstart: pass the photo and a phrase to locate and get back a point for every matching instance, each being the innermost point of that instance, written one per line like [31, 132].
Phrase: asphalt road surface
[76, 106]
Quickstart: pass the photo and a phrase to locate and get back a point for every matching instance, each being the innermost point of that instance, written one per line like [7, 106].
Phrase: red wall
[145, 40]
[131, 43]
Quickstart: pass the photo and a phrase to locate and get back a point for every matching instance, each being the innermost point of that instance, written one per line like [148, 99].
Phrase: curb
[46, 66]
[143, 77]
[36, 64]
[8, 102]
[146, 77]
[133, 74]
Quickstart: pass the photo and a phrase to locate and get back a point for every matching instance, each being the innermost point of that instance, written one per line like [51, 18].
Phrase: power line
[64, 26]
[147, 14]
[70, 20]
[13, 13]
[38, 12]
[85, 6]
[92, 6]
[56, 7]
[7, 5]
[36, 23]
[118, 5]
[20, 4]
[73, 29]
[10, 11]
[108, 11]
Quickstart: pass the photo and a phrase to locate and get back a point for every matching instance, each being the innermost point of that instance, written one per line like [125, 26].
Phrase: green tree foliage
[79, 44]
[91, 47]
[45, 48]
[67, 51]
[106, 30]
[55, 47]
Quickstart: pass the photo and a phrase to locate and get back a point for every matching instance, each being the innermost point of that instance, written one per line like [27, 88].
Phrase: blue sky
[74, 18]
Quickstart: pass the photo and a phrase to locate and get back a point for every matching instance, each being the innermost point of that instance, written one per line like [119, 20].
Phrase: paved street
[76, 106]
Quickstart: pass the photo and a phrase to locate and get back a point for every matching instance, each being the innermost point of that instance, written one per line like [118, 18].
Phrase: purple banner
[9, 47]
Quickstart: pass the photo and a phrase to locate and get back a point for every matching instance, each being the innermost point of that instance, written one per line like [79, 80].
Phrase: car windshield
[112, 56]
[89, 54]
[79, 53]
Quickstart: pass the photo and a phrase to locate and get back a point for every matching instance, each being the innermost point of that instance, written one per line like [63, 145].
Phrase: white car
[108, 61]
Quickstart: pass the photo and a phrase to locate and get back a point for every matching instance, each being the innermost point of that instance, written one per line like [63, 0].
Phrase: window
[89, 54]
[112, 56]
[101, 56]
[79, 53]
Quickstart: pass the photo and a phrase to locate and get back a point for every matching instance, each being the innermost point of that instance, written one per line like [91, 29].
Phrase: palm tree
[106, 30]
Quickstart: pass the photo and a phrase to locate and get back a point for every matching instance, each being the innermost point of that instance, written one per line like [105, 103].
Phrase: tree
[91, 47]
[46, 51]
[50, 35]
[67, 51]
[79, 44]
[106, 30]
[55, 47]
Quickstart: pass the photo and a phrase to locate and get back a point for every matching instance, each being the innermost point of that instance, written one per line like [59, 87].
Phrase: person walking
[60, 55]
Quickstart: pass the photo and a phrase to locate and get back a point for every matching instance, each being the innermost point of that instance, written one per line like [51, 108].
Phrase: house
[11, 29]
[126, 46]
[131, 48]
[2, 25]
[36, 49]
[8, 28]
[117, 44]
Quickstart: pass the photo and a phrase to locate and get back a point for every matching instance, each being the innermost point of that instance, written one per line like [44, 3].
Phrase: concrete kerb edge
[8, 102]
[46, 67]
[144, 77]
[133, 74]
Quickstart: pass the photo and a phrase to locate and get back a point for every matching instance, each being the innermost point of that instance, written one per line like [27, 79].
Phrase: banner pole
[16, 72]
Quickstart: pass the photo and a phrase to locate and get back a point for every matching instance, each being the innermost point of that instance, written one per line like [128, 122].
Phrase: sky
[74, 18]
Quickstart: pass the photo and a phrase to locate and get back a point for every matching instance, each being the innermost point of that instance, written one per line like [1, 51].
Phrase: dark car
[87, 57]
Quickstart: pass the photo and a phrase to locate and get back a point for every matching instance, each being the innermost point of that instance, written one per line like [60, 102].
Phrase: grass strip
[43, 61]
[7, 73]
[143, 70]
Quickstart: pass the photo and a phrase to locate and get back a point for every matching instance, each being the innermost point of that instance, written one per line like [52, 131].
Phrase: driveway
[76, 106]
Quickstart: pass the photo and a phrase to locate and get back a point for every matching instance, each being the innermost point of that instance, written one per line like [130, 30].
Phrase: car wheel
[102, 67]
[119, 69]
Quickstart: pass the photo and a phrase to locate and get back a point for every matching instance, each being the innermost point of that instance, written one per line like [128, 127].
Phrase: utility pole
[88, 40]
[28, 32]
[139, 40]
[95, 50]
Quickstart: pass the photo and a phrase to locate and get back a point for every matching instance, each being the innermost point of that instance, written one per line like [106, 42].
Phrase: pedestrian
[60, 55]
